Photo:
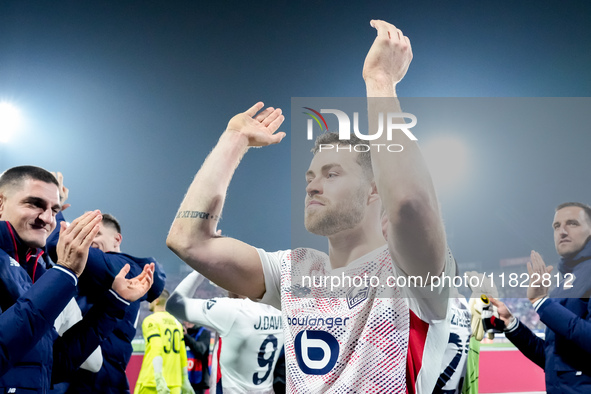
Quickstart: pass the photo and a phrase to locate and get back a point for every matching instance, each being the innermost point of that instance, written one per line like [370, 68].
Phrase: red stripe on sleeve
[416, 347]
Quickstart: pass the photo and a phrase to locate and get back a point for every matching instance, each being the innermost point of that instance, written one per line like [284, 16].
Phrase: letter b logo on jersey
[316, 352]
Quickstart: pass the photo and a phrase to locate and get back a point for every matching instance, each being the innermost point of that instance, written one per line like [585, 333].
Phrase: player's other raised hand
[538, 283]
[259, 129]
[135, 288]
[64, 191]
[390, 55]
[75, 239]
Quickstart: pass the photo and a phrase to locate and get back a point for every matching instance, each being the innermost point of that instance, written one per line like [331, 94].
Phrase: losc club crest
[356, 295]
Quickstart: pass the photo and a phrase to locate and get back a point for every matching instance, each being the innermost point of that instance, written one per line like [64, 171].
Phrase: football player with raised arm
[378, 342]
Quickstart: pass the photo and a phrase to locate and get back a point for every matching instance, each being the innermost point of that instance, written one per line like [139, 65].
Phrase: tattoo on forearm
[196, 215]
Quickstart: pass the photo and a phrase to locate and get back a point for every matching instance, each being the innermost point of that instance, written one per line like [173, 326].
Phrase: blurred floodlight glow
[447, 159]
[9, 121]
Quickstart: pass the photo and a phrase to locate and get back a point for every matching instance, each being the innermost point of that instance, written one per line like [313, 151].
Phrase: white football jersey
[372, 338]
[453, 369]
[252, 338]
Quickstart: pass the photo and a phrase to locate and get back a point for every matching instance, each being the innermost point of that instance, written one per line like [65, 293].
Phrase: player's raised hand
[536, 268]
[134, 288]
[389, 57]
[64, 191]
[75, 239]
[260, 129]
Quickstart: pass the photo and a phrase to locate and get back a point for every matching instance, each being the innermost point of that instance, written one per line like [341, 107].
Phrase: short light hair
[161, 300]
[15, 176]
[331, 137]
[585, 208]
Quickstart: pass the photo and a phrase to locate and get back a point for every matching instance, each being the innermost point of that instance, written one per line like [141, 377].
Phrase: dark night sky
[126, 98]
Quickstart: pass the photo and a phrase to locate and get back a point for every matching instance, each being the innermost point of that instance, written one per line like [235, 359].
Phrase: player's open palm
[260, 129]
[134, 288]
[538, 277]
[389, 56]
[75, 239]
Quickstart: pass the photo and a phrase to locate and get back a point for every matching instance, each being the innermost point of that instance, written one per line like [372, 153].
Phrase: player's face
[571, 231]
[31, 208]
[337, 192]
[107, 239]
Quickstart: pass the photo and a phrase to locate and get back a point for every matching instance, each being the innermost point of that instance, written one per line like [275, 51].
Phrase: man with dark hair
[14, 176]
[565, 351]
[351, 339]
[33, 189]
[32, 295]
[105, 259]
[109, 220]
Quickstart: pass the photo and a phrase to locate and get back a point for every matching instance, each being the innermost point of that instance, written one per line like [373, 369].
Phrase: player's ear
[373, 193]
[118, 239]
[2, 203]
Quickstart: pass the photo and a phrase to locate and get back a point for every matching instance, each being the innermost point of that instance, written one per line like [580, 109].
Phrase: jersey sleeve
[271, 263]
[430, 301]
[216, 313]
[150, 330]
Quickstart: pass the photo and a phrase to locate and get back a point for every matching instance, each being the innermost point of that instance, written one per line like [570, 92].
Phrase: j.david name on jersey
[268, 323]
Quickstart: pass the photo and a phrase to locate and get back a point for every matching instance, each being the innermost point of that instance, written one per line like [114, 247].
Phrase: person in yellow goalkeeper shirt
[164, 368]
